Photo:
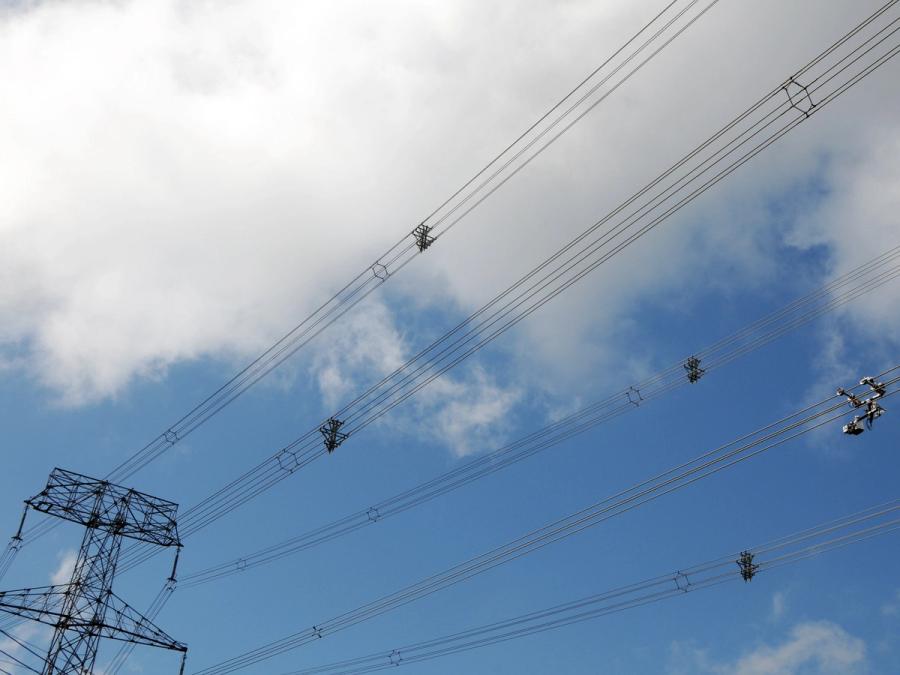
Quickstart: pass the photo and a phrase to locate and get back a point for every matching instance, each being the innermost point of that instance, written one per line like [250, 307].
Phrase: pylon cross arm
[122, 622]
[103, 505]
[43, 604]
[125, 623]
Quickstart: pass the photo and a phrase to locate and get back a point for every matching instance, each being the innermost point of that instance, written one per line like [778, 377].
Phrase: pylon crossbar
[43, 604]
[74, 497]
[123, 622]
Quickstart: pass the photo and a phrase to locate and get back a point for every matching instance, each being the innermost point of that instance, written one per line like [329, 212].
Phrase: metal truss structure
[86, 610]
[748, 567]
[423, 236]
[870, 406]
[694, 371]
[332, 434]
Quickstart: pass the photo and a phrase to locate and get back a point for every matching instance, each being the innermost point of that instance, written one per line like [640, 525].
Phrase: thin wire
[364, 283]
[671, 480]
[126, 649]
[547, 114]
[441, 231]
[308, 447]
[24, 645]
[536, 441]
[524, 625]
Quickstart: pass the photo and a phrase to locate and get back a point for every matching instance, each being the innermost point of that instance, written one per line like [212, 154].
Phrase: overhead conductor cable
[668, 24]
[850, 530]
[857, 54]
[750, 445]
[866, 278]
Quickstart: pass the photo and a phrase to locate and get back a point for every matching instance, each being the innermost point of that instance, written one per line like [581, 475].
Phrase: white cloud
[811, 648]
[27, 632]
[366, 347]
[857, 220]
[64, 569]
[837, 366]
[465, 410]
[188, 180]
[892, 606]
[779, 605]
[822, 646]
[470, 415]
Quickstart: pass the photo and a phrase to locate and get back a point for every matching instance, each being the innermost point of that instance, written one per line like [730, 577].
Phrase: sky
[185, 182]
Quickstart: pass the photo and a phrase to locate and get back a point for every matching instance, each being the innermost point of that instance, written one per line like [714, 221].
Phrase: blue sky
[177, 207]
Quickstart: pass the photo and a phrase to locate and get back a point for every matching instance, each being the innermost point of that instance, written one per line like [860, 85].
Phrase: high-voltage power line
[746, 447]
[845, 63]
[651, 39]
[859, 53]
[665, 27]
[865, 278]
[853, 529]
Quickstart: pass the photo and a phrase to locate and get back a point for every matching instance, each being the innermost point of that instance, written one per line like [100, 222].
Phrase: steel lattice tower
[86, 609]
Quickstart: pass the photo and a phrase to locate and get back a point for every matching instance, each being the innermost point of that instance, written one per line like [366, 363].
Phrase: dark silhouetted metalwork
[694, 371]
[854, 427]
[682, 582]
[331, 433]
[852, 399]
[879, 389]
[86, 609]
[873, 412]
[796, 100]
[748, 567]
[872, 409]
[380, 272]
[423, 237]
[634, 396]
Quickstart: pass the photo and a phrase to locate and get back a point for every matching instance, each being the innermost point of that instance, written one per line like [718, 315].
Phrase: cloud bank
[187, 180]
[812, 648]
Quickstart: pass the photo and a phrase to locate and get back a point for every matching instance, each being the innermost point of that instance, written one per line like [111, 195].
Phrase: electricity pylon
[86, 609]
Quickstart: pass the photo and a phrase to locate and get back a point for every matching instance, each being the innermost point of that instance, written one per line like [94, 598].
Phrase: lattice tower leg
[73, 649]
